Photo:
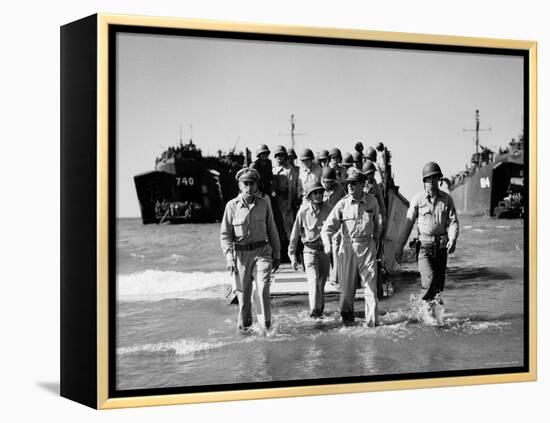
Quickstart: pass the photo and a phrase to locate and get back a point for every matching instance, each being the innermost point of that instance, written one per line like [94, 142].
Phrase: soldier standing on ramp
[307, 226]
[357, 215]
[249, 241]
[438, 231]
[282, 201]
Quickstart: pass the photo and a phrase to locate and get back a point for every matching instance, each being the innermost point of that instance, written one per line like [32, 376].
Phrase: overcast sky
[417, 103]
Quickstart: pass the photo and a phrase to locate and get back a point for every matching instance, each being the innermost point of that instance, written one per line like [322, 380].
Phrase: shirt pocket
[259, 227]
[240, 228]
[425, 214]
[349, 221]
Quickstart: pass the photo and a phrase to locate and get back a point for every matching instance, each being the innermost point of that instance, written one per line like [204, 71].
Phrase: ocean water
[175, 328]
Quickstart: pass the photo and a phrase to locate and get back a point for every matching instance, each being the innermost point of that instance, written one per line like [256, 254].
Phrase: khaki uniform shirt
[358, 219]
[244, 223]
[307, 226]
[436, 216]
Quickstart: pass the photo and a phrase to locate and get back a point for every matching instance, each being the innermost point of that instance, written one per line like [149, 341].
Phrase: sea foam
[155, 285]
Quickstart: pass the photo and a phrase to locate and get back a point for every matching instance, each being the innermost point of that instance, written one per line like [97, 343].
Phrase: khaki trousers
[317, 265]
[358, 257]
[254, 271]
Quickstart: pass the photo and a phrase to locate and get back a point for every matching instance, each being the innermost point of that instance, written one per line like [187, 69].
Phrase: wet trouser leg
[247, 262]
[333, 275]
[244, 270]
[263, 281]
[317, 265]
[347, 274]
[366, 261]
[431, 265]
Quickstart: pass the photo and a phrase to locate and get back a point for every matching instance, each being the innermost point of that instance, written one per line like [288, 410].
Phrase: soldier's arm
[295, 235]
[412, 215]
[453, 228]
[226, 234]
[272, 233]
[331, 226]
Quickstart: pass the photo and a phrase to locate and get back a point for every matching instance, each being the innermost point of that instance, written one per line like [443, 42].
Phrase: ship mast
[477, 129]
[292, 133]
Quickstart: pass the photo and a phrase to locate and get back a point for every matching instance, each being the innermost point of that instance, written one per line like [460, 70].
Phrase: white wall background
[29, 171]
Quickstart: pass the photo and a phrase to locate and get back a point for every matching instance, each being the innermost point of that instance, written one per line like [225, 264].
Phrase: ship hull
[193, 194]
[479, 194]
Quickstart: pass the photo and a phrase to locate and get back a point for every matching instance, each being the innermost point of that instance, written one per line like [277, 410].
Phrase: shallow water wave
[175, 327]
[155, 285]
[179, 347]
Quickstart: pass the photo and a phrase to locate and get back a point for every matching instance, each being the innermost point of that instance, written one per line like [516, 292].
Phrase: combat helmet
[323, 155]
[371, 154]
[279, 150]
[262, 148]
[306, 154]
[312, 186]
[335, 152]
[347, 160]
[430, 169]
[368, 167]
[329, 174]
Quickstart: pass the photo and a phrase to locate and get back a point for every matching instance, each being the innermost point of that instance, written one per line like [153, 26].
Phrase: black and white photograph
[172, 241]
[294, 211]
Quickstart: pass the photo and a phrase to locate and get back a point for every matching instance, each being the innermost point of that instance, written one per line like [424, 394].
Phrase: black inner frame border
[113, 30]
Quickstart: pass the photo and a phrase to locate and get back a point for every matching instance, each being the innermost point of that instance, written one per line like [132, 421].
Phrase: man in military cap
[437, 232]
[282, 201]
[357, 215]
[307, 227]
[249, 241]
[308, 172]
[264, 167]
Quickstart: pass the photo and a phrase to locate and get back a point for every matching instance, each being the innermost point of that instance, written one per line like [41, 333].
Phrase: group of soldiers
[330, 215]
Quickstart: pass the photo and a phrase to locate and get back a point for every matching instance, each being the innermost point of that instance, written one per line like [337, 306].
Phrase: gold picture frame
[87, 296]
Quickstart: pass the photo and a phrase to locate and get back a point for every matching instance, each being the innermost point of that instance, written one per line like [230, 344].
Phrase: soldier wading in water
[358, 216]
[307, 227]
[249, 241]
[437, 233]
